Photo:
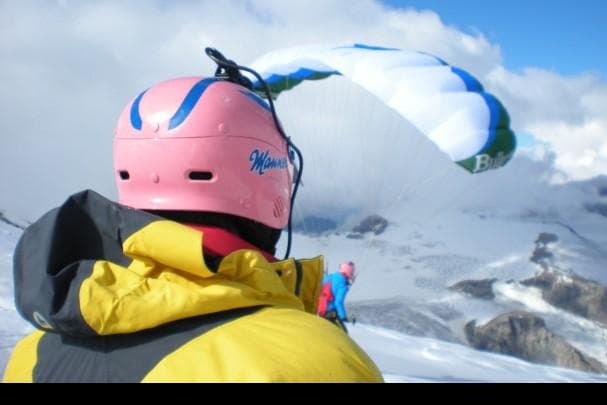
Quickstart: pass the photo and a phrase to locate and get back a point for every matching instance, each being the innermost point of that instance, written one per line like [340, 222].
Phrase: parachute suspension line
[470, 186]
[406, 187]
[341, 132]
[302, 218]
[312, 63]
[385, 179]
[229, 70]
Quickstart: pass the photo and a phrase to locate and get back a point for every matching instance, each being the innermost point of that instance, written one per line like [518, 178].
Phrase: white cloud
[568, 114]
[580, 148]
[68, 68]
[424, 30]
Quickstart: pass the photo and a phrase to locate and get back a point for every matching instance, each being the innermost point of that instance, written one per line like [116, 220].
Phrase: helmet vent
[124, 175]
[200, 176]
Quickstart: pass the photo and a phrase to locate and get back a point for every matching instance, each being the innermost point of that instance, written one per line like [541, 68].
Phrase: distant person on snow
[179, 280]
[333, 294]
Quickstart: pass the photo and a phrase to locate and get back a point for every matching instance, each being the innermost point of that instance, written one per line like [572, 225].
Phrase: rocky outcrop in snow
[524, 335]
[597, 208]
[482, 289]
[372, 223]
[542, 255]
[572, 293]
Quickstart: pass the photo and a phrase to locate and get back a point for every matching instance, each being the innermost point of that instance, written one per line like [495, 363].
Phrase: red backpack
[326, 296]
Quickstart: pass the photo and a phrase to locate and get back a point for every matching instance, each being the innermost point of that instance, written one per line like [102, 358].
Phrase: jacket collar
[219, 242]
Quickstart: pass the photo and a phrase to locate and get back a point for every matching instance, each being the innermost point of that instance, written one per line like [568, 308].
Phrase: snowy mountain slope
[412, 287]
[12, 326]
[403, 358]
[404, 272]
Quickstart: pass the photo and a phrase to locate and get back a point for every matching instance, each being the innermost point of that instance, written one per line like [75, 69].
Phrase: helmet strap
[229, 70]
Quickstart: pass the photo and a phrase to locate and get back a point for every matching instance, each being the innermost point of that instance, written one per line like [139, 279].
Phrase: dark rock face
[373, 223]
[597, 208]
[602, 191]
[572, 293]
[524, 335]
[482, 289]
[545, 238]
[541, 254]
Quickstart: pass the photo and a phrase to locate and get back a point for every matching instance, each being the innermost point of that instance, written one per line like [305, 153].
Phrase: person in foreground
[178, 282]
[335, 287]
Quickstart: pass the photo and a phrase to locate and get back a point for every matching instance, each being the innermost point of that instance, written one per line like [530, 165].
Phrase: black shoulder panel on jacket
[57, 252]
[121, 358]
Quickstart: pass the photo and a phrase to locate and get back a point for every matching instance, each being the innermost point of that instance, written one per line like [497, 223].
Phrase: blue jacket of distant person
[339, 289]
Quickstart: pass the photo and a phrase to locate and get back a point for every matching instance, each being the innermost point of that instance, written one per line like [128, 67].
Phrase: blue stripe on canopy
[494, 118]
[471, 83]
[368, 47]
[280, 82]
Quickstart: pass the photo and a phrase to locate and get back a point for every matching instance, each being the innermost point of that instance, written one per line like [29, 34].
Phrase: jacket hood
[94, 267]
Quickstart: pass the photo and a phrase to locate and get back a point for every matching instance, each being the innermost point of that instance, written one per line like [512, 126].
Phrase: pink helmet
[203, 144]
[348, 270]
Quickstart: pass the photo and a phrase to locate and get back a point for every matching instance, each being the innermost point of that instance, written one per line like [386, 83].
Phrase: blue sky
[564, 36]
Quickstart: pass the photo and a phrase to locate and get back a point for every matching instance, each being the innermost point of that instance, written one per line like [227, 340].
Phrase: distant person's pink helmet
[348, 270]
[203, 144]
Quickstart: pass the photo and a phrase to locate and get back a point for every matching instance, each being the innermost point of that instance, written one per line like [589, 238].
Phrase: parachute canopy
[448, 105]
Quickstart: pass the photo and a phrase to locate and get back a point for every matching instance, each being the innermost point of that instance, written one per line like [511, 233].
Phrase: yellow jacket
[120, 295]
